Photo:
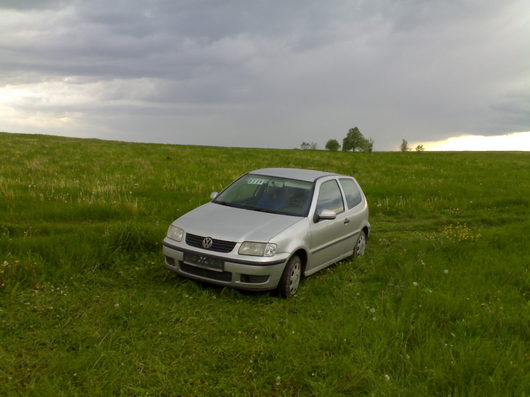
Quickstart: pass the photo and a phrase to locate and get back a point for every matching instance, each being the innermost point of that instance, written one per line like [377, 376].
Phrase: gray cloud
[30, 4]
[266, 74]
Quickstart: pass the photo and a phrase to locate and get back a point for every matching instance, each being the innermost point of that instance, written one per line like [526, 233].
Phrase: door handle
[346, 220]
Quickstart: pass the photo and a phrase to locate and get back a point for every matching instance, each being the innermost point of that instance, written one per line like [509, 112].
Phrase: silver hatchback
[269, 228]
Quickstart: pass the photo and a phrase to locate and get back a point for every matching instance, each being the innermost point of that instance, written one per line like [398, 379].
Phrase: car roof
[293, 173]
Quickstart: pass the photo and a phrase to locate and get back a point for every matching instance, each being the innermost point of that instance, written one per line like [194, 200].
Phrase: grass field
[438, 306]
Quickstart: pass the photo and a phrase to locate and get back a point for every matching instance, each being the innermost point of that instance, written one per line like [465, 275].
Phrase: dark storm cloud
[516, 109]
[31, 4]
[271, 74]
[166, 39]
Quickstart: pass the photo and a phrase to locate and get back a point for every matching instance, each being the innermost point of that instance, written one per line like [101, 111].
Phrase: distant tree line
[404, 147]
[308, 146]
[354, 141]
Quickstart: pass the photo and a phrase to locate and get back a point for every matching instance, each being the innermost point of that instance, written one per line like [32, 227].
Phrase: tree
[420, 148]
[333, 145]
[356, 142]
[353, 140]
[368, 145]
[308, 146]
[404, 146]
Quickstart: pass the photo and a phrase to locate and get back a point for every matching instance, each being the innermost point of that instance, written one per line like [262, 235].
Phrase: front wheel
[291, 277]
[360, 246]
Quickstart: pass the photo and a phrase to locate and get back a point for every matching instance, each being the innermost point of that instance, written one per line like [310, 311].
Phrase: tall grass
[438, 306]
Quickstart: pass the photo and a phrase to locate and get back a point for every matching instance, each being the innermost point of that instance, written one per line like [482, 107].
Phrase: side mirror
[213, 195]
[325, 214]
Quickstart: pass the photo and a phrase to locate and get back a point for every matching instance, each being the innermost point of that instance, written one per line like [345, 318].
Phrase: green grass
[438, 306]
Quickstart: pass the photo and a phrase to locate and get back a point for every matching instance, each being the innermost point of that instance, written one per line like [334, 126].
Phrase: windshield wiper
[235, 205]
[251, 208]
[257, 209]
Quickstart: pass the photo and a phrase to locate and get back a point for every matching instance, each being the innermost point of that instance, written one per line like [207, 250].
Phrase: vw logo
[207, 242]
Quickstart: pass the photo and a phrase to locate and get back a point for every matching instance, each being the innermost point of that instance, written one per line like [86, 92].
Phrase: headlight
[175, 233]
[257, 249]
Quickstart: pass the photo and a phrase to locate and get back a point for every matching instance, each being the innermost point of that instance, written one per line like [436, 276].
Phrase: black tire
[291, 277]
[360, 245]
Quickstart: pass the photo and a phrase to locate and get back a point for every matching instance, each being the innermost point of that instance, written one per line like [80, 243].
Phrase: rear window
[352, 192]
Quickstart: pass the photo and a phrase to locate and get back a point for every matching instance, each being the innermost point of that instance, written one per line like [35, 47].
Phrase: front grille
[198, 271]
[218, 245]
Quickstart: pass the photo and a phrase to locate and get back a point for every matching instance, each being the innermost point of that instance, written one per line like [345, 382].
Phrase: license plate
[204, 261]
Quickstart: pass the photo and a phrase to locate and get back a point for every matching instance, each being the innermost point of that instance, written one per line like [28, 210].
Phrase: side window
[353, 195]
[330, 198]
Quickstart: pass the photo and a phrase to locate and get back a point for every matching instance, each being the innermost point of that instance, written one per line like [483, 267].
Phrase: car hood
[234, 224]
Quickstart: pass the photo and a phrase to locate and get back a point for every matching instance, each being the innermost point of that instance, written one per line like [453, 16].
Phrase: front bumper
[237, 271]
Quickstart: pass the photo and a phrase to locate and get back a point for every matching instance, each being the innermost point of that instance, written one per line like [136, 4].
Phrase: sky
[265, 73]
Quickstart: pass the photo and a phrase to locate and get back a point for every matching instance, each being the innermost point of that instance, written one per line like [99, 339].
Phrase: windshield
[269, 194]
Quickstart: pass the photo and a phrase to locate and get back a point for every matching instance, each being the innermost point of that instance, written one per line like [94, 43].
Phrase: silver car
[269, 228]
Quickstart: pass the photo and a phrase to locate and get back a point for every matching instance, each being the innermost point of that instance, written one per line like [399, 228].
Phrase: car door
[355, 211]
[331, 239]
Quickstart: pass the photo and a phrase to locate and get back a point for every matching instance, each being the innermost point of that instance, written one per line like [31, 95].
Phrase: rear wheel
[291, 277]
[360, 245]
